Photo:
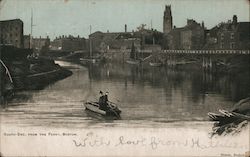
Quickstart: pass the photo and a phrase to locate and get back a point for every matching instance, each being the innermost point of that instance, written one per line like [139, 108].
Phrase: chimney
[125, 28]
[235, 20]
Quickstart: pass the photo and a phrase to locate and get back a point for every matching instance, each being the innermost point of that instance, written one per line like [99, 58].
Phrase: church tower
[167, 20]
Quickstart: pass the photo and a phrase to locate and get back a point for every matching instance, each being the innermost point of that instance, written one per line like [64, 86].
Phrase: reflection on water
[147, 96]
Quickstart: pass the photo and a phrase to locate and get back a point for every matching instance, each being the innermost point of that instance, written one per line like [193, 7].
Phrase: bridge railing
[207, 51]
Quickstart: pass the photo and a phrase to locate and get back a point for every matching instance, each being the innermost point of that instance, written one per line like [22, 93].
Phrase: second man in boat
[103, 101]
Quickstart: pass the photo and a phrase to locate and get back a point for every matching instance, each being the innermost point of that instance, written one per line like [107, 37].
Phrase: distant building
[26, 41]
[211, 39]
[191, 36]
[69, 43]
[95, 40]
[234, 35]
[102, 42]
[150, 37]
[173, 39]
[167, 20]
[40, 43]
[11, 32]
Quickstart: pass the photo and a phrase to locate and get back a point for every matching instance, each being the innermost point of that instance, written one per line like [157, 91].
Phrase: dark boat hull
[94, 107]
[226, 115]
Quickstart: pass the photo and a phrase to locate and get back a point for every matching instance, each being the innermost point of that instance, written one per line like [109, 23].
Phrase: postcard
[124, 78]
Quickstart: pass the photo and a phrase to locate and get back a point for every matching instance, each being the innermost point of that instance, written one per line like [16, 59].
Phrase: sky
[74, 17]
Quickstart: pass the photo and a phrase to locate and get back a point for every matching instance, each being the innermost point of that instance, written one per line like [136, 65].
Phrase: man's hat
[100, 92]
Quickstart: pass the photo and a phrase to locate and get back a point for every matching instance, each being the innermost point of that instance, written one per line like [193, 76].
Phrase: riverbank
[20, 70]
[39, 74]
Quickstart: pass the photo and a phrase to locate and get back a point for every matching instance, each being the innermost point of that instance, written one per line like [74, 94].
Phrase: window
[222, 45]
[215, 40]
[232, 36]
[222, 36]
[232, 45]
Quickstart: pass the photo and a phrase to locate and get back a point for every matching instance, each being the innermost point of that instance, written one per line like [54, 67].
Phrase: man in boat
[102, 102]
[101, 98]
[106, 99]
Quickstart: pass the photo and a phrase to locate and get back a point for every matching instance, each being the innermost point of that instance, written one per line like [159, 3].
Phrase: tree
[141, 27]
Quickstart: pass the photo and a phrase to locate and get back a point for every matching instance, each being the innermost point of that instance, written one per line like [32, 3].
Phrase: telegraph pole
[31, 28]
[90, 44]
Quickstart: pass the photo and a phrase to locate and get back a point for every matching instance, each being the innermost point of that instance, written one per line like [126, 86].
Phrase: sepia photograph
[125, 78]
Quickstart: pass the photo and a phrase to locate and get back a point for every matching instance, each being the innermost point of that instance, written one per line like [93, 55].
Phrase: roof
[95, 33]
[109, 37]
[12, 20]
[176, 31]
[213, 31]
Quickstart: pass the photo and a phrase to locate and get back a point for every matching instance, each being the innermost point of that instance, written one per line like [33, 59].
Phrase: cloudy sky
[58, 17]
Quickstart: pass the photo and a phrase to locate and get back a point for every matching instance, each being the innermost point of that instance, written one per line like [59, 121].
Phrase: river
[147, 96]
[163, 111]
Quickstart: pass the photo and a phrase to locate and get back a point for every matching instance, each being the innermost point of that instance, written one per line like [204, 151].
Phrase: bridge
[206, 51]
[205, 58]
[149, 51]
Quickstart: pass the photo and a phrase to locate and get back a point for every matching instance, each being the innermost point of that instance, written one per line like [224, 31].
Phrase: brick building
[229, 35]
[234, 35]
[11, 33]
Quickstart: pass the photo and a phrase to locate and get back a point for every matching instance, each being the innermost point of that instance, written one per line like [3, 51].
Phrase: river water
[167, 105]
[147, 96]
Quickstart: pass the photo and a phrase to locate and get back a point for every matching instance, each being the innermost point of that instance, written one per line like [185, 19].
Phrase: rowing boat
[133, 62]
[112, 110]
[155, 64]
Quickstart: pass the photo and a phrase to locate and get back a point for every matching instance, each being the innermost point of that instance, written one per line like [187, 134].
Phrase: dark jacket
[105, 99]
